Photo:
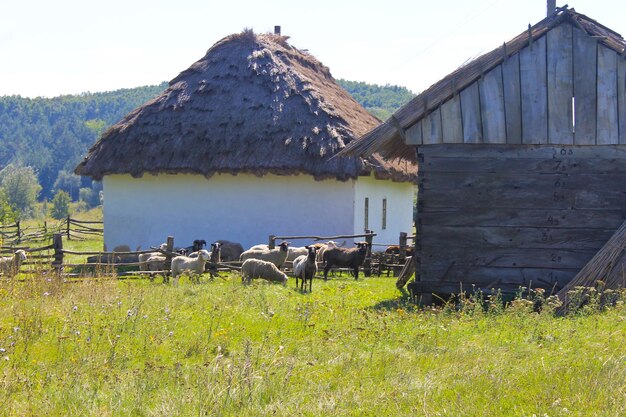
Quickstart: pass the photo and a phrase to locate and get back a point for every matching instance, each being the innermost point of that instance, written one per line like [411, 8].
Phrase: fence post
[367, 265]
[57, 245]
[272, 242]
[17, 223]
[68, 227]
[168, 258]
[402, 244]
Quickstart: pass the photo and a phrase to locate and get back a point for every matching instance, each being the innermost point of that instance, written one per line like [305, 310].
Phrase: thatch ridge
[253, 104]
[386, 138]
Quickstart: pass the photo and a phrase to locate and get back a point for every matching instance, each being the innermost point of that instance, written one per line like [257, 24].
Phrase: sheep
[395, 250]
[293, 252]
[10, 265]
[296, 252]
[195, 266]
[155, 263]
[322, 247]
[277, 256]
[229, 251]
[342, 257]
[305, 267]
[143, 257]
[257, 268]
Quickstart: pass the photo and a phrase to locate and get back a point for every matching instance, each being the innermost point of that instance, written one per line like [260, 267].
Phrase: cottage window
[367, 213]
[384, 225]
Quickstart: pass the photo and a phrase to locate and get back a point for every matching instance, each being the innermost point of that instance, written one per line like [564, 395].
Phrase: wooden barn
[238, 147]
[522, 159]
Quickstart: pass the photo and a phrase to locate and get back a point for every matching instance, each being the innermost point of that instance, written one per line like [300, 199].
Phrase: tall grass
[134, 347]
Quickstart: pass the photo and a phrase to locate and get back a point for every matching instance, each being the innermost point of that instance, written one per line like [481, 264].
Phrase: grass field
[351, 348]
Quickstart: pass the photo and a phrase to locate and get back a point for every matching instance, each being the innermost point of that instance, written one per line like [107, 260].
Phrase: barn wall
[244, 208]
[562, 88]
[504, 216]
[400, 205]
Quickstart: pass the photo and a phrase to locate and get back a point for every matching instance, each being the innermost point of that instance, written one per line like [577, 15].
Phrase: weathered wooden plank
[440, 256]
[465, 279]
[512, 99]
[480, 151]
[451, 124]
[610, 218]
[621, 98]
[519, 238]
[492, 106]
[524, 165]
[470, 110]
[585, 90]
[431, 128]
[534, 92]
[560, 85]
[414, 134]
[607, 121]
[526, 198]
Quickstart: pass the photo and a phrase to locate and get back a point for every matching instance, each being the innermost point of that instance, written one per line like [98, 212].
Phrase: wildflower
[171, 333]
[129, 313]
[6, 358]
[75, 308]
[46, 294]
[77, 333]
[2, 350]
[88, 339]
[16, 329]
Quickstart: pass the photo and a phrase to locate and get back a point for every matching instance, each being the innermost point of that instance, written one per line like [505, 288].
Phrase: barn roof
[388, 137]
[253, 104]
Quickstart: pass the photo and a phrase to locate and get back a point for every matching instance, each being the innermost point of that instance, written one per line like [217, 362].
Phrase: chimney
[277, 29]
[551, 7]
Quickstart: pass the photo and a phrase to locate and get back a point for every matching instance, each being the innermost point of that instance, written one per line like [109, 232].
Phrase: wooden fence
[54, 258]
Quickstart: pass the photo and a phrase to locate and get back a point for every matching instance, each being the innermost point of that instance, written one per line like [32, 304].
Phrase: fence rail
[54, 258]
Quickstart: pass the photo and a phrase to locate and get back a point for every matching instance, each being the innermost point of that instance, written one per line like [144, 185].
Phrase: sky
[50, 48]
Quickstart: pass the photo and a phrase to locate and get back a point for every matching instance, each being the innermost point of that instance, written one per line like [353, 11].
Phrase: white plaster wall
[399, 197]
[244, 208]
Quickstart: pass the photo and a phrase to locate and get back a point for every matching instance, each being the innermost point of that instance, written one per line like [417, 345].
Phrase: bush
[60, 205]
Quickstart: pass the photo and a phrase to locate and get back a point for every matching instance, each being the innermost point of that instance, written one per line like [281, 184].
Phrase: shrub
[60, 205]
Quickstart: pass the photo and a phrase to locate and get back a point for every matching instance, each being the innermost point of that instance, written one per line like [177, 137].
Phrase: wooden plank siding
[507, 216]
[621, 98]
[471, 118]
[562, 88]
[607, 130]
[451, 126]
[585, 90]
[492, 106]
[431, 128]
[534, 92]
[512, 99]
[560, 85]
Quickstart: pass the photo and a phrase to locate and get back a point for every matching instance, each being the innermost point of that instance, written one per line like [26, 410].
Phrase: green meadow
[135, 347]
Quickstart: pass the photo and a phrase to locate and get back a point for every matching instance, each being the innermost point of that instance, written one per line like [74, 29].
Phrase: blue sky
[49, 48]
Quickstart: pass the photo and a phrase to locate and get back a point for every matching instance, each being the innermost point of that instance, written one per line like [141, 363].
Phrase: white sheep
[277, 256]
[193, 266]
[155, 263]
[322, 247]
[257, 268]
[10, 265]
[143, 257]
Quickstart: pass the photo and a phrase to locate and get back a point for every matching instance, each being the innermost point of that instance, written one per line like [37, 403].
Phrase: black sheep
[346, 258]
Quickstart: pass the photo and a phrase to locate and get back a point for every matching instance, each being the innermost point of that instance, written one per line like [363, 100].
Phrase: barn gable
[559, 82]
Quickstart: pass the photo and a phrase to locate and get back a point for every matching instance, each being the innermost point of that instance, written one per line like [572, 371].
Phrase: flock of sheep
[260, 261]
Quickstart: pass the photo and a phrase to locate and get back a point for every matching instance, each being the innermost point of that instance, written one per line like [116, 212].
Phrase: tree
[21, 187]
[68, 182]
[7, 215]
[60, 205]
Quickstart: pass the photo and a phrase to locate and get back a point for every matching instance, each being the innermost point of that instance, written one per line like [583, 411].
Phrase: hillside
[53, 134]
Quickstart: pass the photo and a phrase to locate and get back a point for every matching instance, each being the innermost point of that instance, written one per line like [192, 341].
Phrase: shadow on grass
[403, 301]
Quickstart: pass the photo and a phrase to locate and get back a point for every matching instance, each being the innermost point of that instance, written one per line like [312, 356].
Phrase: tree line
[43, 139]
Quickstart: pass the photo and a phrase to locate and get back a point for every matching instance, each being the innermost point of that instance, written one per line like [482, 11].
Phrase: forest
[51, 135]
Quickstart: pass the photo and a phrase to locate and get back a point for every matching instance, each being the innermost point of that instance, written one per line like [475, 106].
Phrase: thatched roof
[387, 138]
[253, 104]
